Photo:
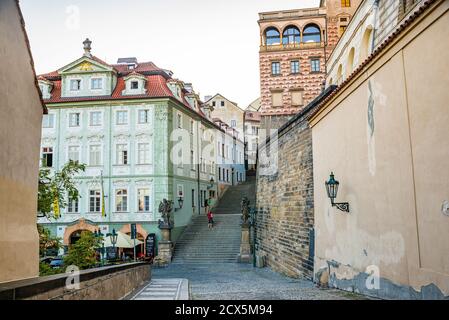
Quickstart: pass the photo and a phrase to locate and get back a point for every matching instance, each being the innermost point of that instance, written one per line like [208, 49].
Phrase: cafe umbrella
[123, 241]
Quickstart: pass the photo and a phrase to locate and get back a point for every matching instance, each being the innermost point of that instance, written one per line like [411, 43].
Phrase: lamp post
[211, 183]
[99, 235]
[180, 203]
[113, 237]
[332, 190]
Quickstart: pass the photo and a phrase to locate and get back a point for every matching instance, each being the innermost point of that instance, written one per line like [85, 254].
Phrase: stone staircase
[230, 202]
[200, 245]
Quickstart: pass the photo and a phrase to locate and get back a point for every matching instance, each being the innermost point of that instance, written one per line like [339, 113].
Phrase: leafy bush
[47, 242]
[46, 270]
[83, 253]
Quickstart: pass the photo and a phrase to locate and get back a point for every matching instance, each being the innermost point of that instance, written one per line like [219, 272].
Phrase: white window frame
[100, 119]
[147, 111]
[92, 83]
[78, 122]
[95, 204]
[100, 152]
[71, 207]
[125, 119]
[80, 84]
[120, 158]
[116, 202]
[46, 118]
[73, 146]
[138, 199]
[52, 156]
[147, 159]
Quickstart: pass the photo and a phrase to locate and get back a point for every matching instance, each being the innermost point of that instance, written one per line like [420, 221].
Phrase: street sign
[133, 231]
[150, 245]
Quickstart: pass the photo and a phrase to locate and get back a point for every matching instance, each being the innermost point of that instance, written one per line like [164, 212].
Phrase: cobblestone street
[232, 281]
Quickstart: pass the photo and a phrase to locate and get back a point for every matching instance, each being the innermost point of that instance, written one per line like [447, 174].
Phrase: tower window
[275, 68]
[294, 66]
[345, 3]
[315, 65]
[311, 33]
[291, 35]
[272, 37]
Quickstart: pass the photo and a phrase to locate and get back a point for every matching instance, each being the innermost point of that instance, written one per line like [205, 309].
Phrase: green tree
[83, 253]
[54, 188]
[47, 241]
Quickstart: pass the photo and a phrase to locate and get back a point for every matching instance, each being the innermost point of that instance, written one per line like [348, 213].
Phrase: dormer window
[96, 83]
[75, 85]
[134, 84]
[45, 87]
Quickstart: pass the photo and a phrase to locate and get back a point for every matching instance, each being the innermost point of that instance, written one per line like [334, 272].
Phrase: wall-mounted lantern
[180, 203]
[332, 190]
[211, 183]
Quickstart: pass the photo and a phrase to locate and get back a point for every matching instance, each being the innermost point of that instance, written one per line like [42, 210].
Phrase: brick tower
[294, 46]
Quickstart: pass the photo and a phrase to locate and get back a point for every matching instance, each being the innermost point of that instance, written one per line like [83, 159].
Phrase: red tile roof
[156, 85]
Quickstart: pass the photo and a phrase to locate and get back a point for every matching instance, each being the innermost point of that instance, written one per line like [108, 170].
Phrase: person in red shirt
[210, 218]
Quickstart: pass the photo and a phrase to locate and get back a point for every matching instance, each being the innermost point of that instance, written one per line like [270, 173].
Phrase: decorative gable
[87, 76]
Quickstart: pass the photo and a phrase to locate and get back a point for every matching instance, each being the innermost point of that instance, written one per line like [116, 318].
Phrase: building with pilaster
[144, 137]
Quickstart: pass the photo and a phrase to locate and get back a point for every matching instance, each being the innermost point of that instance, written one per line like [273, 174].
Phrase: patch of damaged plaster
[356, 247]
[386, 289]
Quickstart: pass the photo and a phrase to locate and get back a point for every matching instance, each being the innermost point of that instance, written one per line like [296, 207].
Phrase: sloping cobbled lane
[234, 281]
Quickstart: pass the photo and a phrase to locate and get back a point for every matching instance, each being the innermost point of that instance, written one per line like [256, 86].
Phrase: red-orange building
[294, 47]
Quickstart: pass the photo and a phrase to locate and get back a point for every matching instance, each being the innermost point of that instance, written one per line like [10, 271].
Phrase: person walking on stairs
[210, 218]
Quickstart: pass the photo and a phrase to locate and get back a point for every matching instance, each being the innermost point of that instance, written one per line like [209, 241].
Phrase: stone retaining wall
[285, 215]
[107, 283]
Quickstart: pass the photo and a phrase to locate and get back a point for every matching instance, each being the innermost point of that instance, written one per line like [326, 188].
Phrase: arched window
[311, 33]
[291, 35]
[365, 49]
[272, 37]
[339, 74]
[350, 62]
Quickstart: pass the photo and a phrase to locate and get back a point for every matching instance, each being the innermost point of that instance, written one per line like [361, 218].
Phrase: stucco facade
[390, 157]
[20, 129]
[228, 112]
[143, 140]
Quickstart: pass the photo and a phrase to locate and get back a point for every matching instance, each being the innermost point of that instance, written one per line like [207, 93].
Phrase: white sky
[212, 44]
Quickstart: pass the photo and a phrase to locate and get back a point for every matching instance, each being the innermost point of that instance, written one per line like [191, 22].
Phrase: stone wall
[285, 216]
[20, 131]
[107, 283]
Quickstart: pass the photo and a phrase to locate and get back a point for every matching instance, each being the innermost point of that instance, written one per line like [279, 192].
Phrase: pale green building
[124, 121]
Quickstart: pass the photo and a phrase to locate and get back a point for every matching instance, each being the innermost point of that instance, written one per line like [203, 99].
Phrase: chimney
[87, 47]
